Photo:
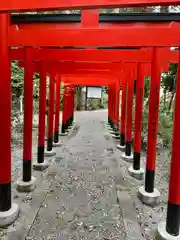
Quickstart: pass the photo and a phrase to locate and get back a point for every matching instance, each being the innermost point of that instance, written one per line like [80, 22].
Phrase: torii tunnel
[78, 49]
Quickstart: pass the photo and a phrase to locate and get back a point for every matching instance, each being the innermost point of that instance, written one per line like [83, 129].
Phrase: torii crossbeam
[17, 5]
[128, 35]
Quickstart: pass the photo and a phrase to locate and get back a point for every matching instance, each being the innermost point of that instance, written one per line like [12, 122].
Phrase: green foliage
[165, 125]
[146, 87]
[17, 80]
[168, 82]
[169, 78]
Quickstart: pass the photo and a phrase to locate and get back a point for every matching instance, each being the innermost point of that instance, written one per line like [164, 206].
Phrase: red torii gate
[170, 54]
[173, 206]
[62, 67]
[68, 119]
[151, 180]
[129, 66]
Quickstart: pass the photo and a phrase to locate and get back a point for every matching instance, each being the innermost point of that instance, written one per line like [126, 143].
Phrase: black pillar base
[173, 219]
[149, 181]
[128, 148]
[49, 143]
[136, 161]
[40, 158]
[108, 119]
[116, 131]
[5, 197]
[71, 120]
[67, 124]
[63, 128]
[122, 139]
[56, 136]
[27, 170]
[111, 123]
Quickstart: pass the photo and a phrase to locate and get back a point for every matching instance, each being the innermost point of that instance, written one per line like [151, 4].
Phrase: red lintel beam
[71, 66]
[17, 5]
[94, 55]
[89, 81]
[57, 69]
[137, 36]
[79, 72]
[89, 55]
[90, 74]
[104, 68]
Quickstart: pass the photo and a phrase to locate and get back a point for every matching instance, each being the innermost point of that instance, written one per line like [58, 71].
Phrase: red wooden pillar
[109, 99]
[112, 102]
[117, 90]
[110, 105]
[27, 183]
[51, 113]
[130, 91]
[67, 108]
[56, 133]
[5, 121]
[171, 227]
[138, 115]
[116, 133]
[136, 170]
[73, 101]
[113, 106]
[116, 108]
[71, 105]
[149, 194]
[42, 113]
[123, 114]
[28, 116]
[5, 124]
[64, 112]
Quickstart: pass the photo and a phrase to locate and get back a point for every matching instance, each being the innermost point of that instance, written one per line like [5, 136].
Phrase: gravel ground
[82, 203]
[149, 217]
[76, 197]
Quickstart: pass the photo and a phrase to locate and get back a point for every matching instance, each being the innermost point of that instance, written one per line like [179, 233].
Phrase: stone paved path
[82, 200]
[85, 194]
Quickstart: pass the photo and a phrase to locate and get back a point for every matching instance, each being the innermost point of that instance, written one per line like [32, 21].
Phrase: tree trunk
[171, 101]
[164, 97]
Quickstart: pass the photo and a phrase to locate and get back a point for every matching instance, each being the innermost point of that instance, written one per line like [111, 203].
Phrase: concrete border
[26, 186]
[131, 225]
[121, 148]
[112, 132]
[49, 153]
[116, 136]
[8, 217]
[127, 158]
[138, 174]
[150, 199]
[40, 166]
[58, 144]
[63, 134]
[162, 234]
